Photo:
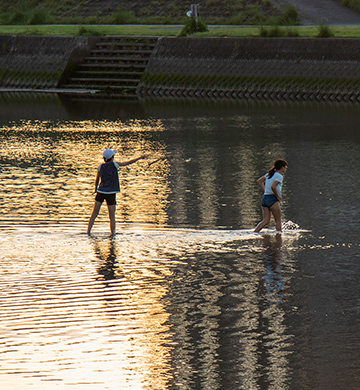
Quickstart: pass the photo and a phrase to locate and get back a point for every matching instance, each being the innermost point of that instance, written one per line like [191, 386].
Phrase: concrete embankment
[234, 68]
[254, 68]
[39, 62]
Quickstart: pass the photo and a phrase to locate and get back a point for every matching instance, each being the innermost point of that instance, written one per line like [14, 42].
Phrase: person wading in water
[108, 177]
[270, 202]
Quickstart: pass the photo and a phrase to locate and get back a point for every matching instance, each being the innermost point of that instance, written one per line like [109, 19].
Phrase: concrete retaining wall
[245, 68]
[39, 61]
[254, 68]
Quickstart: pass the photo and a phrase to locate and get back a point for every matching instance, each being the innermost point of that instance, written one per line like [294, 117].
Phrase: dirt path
[326, 11]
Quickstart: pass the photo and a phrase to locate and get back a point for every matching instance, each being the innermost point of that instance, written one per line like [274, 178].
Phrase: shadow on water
[16, 106]
[39, 106]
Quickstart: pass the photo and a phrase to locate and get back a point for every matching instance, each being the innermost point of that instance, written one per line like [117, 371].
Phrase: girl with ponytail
[270, 202]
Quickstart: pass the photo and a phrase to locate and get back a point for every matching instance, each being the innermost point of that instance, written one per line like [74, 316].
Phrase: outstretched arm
[132, 161]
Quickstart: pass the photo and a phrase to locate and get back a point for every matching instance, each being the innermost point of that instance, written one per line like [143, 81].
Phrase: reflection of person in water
[107, 256]
[273, 278]
[270, 202]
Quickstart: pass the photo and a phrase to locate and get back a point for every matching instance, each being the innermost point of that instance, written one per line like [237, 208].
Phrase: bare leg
[266, 219]
[111, 210]
[94, 214]
[276, 211]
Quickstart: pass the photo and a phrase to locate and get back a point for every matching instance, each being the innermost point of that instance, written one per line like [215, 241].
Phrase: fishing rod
[154, 162]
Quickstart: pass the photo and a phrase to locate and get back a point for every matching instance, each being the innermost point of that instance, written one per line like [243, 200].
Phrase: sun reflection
[144, 283]
[154, 308]
[52, 166]
[78, 329]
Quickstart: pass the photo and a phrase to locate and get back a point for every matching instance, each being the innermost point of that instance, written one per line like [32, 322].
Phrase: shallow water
[185, 296]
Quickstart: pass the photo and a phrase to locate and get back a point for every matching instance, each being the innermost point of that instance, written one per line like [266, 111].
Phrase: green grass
[169, 30]
[302, 31]
[71, 30]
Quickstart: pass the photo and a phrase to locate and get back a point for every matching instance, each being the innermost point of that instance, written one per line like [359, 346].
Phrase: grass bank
[234, 12]
[169, 30]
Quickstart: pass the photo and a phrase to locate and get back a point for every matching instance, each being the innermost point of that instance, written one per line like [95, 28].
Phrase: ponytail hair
[278, 164]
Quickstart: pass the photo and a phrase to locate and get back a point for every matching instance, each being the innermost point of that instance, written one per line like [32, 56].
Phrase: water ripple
[128, 311]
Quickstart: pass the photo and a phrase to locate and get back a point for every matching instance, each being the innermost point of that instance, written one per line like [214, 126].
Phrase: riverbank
[221, 68]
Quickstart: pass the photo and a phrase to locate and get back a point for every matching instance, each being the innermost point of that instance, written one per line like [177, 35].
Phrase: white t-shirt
[269, 182]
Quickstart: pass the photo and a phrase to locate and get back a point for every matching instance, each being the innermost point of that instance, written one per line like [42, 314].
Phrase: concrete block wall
[255, 68]
[246, 68]
[39, 61]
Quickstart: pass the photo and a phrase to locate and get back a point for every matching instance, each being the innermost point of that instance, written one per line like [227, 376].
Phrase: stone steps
[109, 73]
[114, 67]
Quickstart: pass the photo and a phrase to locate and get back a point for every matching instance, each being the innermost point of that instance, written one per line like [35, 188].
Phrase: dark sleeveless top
[109, 176]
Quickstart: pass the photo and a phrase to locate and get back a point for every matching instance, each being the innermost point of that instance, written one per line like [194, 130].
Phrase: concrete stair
[114, 67]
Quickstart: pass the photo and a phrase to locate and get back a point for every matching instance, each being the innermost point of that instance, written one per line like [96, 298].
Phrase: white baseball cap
[108, 153]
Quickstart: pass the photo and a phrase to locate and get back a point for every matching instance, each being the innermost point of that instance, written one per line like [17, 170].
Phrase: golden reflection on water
[147, 309]
[48, 171]
[143, 310]
[62, 322]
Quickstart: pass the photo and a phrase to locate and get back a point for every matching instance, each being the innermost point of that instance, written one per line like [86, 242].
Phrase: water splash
[290, 225]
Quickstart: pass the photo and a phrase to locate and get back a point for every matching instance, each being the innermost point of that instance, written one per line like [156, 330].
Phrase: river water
[184, 296]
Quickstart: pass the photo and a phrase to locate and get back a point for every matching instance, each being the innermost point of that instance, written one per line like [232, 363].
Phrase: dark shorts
[268, 200]
[110, 198]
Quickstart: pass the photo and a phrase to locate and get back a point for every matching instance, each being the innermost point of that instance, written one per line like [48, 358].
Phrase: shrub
[270, 32]
[191, 27]
[290, 17]
[84, 31]
[324, 31]
[237, 19]
[19, 17]
[39, 16]
[254, 15]
[276, 31]
[354, 4]
[5, 18]
[292, 33]
[123, 17]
